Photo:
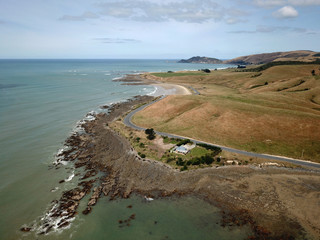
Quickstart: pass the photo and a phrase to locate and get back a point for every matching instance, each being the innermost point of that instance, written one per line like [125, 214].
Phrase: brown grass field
[276, 111]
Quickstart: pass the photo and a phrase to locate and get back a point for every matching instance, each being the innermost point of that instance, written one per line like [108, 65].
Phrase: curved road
[127, 121]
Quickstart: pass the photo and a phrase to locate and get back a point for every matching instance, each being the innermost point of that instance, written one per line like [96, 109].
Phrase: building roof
[182, 149]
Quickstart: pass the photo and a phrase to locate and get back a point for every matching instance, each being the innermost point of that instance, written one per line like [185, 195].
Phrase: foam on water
[70, 177]
[153, 92]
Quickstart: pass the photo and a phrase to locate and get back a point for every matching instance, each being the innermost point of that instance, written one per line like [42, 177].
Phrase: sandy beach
[169, 89]
[160, 88]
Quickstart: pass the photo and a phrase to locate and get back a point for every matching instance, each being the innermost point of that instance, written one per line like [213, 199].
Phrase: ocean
[41, 102]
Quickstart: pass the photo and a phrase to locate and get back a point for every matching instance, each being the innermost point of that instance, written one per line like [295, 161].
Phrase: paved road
[196, 92]
[127, 121]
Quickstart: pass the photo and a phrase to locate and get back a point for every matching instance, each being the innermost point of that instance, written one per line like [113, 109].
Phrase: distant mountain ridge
[256, 59]
[303, 56]
[199, 59]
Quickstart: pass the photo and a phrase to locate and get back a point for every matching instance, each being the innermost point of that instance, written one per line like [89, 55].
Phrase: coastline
[160, 88]
[124, 173]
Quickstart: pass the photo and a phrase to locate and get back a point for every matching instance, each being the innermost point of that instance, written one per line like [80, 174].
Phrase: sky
[156, 29]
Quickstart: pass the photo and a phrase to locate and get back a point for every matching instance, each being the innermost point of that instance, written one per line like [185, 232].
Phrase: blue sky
[163, 29]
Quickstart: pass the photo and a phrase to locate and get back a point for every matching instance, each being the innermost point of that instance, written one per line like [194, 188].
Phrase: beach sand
[160, 88]
[169, 89]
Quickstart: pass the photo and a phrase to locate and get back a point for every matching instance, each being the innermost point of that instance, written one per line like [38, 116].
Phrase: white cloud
[304, 2]
[286, 12]
[276, 3]
[186, 11]
[116, 40]
[269, 3]
[270, 29]
[190, 11]
[82, 17]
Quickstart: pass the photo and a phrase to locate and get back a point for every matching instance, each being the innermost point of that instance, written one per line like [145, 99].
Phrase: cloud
[242, 32]
[276, 3]
[286, 12]
[116, 40]
[2, 22]
[231, 20]
[190, 11]
[269, 3]
[270, 29]
[185, 11]
[304, 2]
[82, 17]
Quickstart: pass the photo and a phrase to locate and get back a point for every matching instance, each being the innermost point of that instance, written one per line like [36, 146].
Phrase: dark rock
[96, 194]
[90, 173]
[87, 211]
[25, 229]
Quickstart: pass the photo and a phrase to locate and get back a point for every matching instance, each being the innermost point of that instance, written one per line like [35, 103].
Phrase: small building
[181, 149]
[242, 66]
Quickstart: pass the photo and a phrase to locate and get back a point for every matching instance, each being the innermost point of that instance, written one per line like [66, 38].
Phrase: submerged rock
[25, 229]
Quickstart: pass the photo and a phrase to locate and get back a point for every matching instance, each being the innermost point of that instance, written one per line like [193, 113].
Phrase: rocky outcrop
[201, 60]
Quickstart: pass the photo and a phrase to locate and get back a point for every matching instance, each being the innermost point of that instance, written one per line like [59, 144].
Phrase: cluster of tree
[150, 133]
[214, 149]
[183, 142]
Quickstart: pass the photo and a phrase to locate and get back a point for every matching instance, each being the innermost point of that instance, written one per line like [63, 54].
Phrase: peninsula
[274, 110]
[201, 60]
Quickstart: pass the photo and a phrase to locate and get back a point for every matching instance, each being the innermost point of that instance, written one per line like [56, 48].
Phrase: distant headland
[302, 55]
[199, 59]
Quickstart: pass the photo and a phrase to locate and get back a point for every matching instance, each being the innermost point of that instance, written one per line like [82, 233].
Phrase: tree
[150, 133]
[206, 70]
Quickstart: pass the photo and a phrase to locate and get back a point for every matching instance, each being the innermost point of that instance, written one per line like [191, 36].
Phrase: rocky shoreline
[260, 197]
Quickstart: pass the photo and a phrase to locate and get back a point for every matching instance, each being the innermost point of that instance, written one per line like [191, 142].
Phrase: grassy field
[179, 74]
[275, 112]
[159, 149]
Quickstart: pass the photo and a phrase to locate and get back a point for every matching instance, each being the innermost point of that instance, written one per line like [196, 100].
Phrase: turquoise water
[40, 104]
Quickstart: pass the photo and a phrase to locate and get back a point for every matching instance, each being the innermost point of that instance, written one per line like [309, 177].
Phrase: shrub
[196, 161]
[208, 159]
[313, 72]
[183, 142]
[180, 162]
[150, 133]
[141, 145]
[184, 168]
[138, 139]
